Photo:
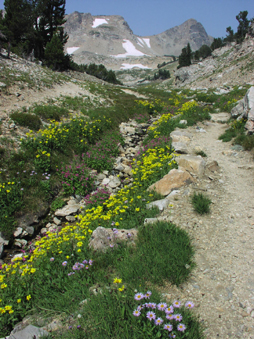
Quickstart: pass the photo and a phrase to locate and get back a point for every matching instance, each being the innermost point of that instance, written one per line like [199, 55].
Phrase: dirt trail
[222, 285]
[29, 97]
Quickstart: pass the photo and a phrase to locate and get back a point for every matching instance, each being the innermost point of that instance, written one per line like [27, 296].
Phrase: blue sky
[148, 17]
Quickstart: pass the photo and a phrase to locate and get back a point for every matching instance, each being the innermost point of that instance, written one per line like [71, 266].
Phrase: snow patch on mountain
[97, 22]
[130, 50]
[140, 42]
[144, 41]
[147, 41]
[129, 66]
[71, 50]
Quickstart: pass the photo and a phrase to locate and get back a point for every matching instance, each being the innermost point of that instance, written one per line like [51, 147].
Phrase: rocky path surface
[15, 100]
[222, 284]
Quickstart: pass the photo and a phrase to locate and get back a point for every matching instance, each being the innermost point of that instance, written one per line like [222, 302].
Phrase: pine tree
[231, 36]
[18, 21]
[185, 57]
[54, 53]
[50, 19]
[243, 26]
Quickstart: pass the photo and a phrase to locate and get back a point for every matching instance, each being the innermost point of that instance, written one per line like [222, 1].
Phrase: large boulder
[245, 109]
[104, 238]
[72, 207]
[191, 163]
[180, 136]
[29, 332]
[180, 147]
[175, 179]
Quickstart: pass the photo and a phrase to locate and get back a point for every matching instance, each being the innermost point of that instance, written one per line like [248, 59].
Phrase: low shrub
[236, 129]
[202, 153]
[57, 203]
[76, 178]
[50, 112]
[10, 203]
[101, 156]
[201, 203]
[96, 198]
[30, 121]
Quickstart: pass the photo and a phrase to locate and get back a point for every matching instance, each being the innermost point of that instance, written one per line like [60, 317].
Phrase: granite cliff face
[110, 40]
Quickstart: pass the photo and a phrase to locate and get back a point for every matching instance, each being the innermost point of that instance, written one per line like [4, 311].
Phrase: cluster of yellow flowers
[42, 153]
[6, 187]
[152, 160]
[151, 106]
[57, 133]
[187, 106]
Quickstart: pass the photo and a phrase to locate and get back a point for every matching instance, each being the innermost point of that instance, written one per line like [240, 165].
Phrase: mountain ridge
[109, 39]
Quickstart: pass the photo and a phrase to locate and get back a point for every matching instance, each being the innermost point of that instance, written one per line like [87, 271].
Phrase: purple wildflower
[181, 327]
[150, 315]
[189, 304]
[169, 309]
[158, 321]
[168, 327]
[64, 263]
[52, 259]
[178, 317]
[162, 306]
[136, 313]
[138, 296]
[170, 316]
[176, 304]
[148, 294]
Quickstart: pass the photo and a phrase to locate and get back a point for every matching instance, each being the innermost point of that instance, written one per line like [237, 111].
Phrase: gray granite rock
[29, 332]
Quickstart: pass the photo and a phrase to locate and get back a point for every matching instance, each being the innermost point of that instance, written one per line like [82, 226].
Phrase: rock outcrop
[245, 110]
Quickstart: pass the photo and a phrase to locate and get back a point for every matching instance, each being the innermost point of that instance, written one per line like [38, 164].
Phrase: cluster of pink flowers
[163, 307]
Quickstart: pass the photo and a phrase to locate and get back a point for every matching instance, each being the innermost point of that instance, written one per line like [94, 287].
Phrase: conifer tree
[54, 53]
[18, 21]
[50, 14]
[185, 57]
[243, 26]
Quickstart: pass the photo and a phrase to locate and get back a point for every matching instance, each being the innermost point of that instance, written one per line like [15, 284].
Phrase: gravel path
[222, 284]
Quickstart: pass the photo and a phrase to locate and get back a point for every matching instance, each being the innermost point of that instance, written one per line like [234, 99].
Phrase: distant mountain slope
[109, 39]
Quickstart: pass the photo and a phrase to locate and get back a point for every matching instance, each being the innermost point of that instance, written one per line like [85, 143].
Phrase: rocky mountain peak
[108, 39]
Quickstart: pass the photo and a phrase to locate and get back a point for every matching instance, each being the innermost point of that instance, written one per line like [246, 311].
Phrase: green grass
[30, 121]
[202, 153]
[50, 112]
[237, 132]
[228, 135]
[108, 312]
[201, 203]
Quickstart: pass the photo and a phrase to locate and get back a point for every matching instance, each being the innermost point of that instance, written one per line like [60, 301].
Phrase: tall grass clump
[201, 203]
[235, 129]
